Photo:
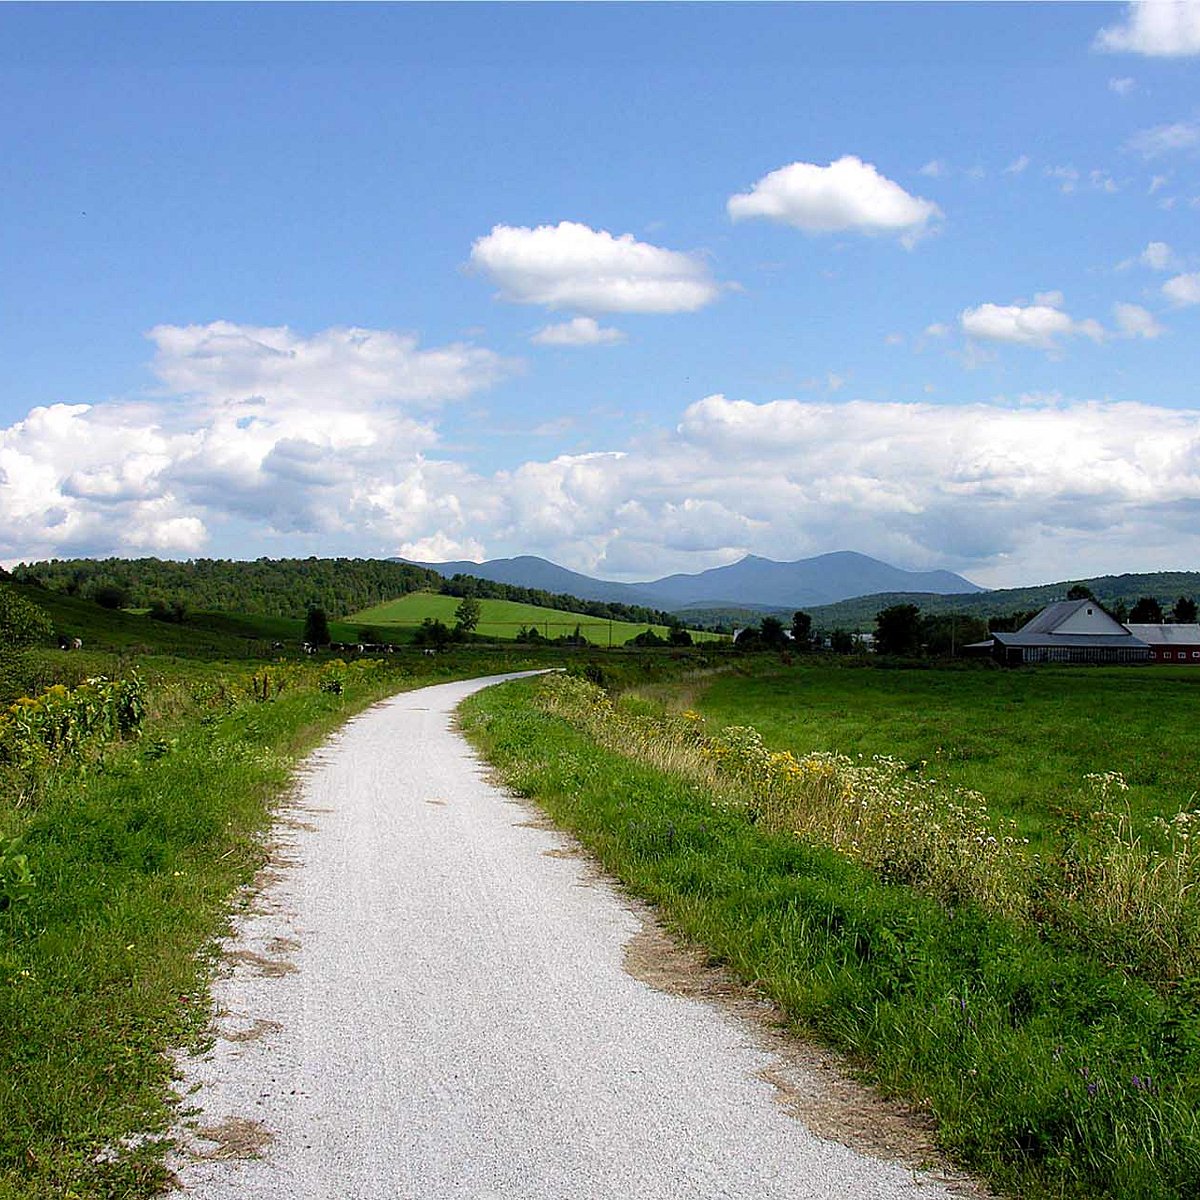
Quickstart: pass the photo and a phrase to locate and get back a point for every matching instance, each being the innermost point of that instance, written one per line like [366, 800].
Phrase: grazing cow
[77, 643]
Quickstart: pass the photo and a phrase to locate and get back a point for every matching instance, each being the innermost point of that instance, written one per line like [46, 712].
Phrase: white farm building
[1071, 631]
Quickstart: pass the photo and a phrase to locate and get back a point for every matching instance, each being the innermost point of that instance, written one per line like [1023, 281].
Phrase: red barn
[1174, 644]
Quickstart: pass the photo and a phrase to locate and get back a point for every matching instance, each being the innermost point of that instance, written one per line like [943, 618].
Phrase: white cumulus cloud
[1009, 492]
[1183, 289]
[1158, 256]
[1040, 324]
[1156, 28]
[1136, 322]
[438, 547]
[287, 434]
[847, 195]
[572, 266]
[1046, 487]
[579, 331]
[358, 366]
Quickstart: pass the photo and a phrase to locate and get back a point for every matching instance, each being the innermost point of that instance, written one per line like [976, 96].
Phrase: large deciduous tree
[466, 615]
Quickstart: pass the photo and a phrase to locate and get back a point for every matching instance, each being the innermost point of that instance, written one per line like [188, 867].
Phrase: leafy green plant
[16, 879]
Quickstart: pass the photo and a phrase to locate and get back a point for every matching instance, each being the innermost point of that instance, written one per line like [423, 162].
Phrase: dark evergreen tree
[1184, 611]
[772, 634]
[1147, 611]
[111, 595]
[316, 627]
[748, 639]
[801, 631]
[841, 641]
[898, 630]
[432, 633]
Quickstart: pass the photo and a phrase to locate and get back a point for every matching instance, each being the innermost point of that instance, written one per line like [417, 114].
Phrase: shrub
[111, 595]
[22, 623]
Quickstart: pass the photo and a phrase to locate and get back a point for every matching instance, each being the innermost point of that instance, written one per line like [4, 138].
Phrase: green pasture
[1025, 739]
[501, 619]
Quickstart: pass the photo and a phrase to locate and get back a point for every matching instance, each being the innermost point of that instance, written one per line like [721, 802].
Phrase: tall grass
[1130, 899]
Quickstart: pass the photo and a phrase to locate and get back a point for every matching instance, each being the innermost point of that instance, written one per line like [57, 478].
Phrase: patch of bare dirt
[261, 963]
[258, 1028]
[235, 1137]
[814, 1084]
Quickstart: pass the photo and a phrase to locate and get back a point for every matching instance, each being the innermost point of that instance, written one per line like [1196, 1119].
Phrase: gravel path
[427, 1000]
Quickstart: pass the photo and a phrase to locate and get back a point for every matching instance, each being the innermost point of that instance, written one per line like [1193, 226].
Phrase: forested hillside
[284, 587]
[1117, 593]
[288, 587]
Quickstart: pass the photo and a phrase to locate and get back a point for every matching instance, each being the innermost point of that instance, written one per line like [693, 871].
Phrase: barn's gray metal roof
[1053, 615]
[1103, 641]
[1167, 635]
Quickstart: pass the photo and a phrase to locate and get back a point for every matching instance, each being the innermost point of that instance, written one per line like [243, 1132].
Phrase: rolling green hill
[283, 587]
[200, 635]
[499, 619]
[104, 629]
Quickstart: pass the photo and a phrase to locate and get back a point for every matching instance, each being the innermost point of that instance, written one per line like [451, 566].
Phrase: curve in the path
[427, 1002]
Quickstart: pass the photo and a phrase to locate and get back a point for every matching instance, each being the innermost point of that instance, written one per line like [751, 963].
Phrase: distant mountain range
[753, 581]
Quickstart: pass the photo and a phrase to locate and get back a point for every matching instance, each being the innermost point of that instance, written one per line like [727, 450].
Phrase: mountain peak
[752, 580]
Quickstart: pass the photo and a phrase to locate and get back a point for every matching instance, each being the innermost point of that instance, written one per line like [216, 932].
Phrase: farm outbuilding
[1175, 644]
[1071, 631]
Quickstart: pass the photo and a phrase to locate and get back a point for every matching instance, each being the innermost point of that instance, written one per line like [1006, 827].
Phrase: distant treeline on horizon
[289, 587]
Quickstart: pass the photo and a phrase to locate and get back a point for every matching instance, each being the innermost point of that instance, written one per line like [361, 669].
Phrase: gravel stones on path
[428, 998]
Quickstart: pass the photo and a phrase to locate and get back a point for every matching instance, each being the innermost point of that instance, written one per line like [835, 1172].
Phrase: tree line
[288, 587]
[605, 610]
[905, 631]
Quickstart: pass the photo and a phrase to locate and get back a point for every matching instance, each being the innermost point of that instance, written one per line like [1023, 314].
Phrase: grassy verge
[1049, 1073]
[134, 847]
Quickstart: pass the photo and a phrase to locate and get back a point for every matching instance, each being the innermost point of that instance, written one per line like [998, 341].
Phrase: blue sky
[637, 288]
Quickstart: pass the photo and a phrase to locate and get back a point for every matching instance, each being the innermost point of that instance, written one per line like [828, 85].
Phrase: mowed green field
[1025, 739]
[502, 619]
